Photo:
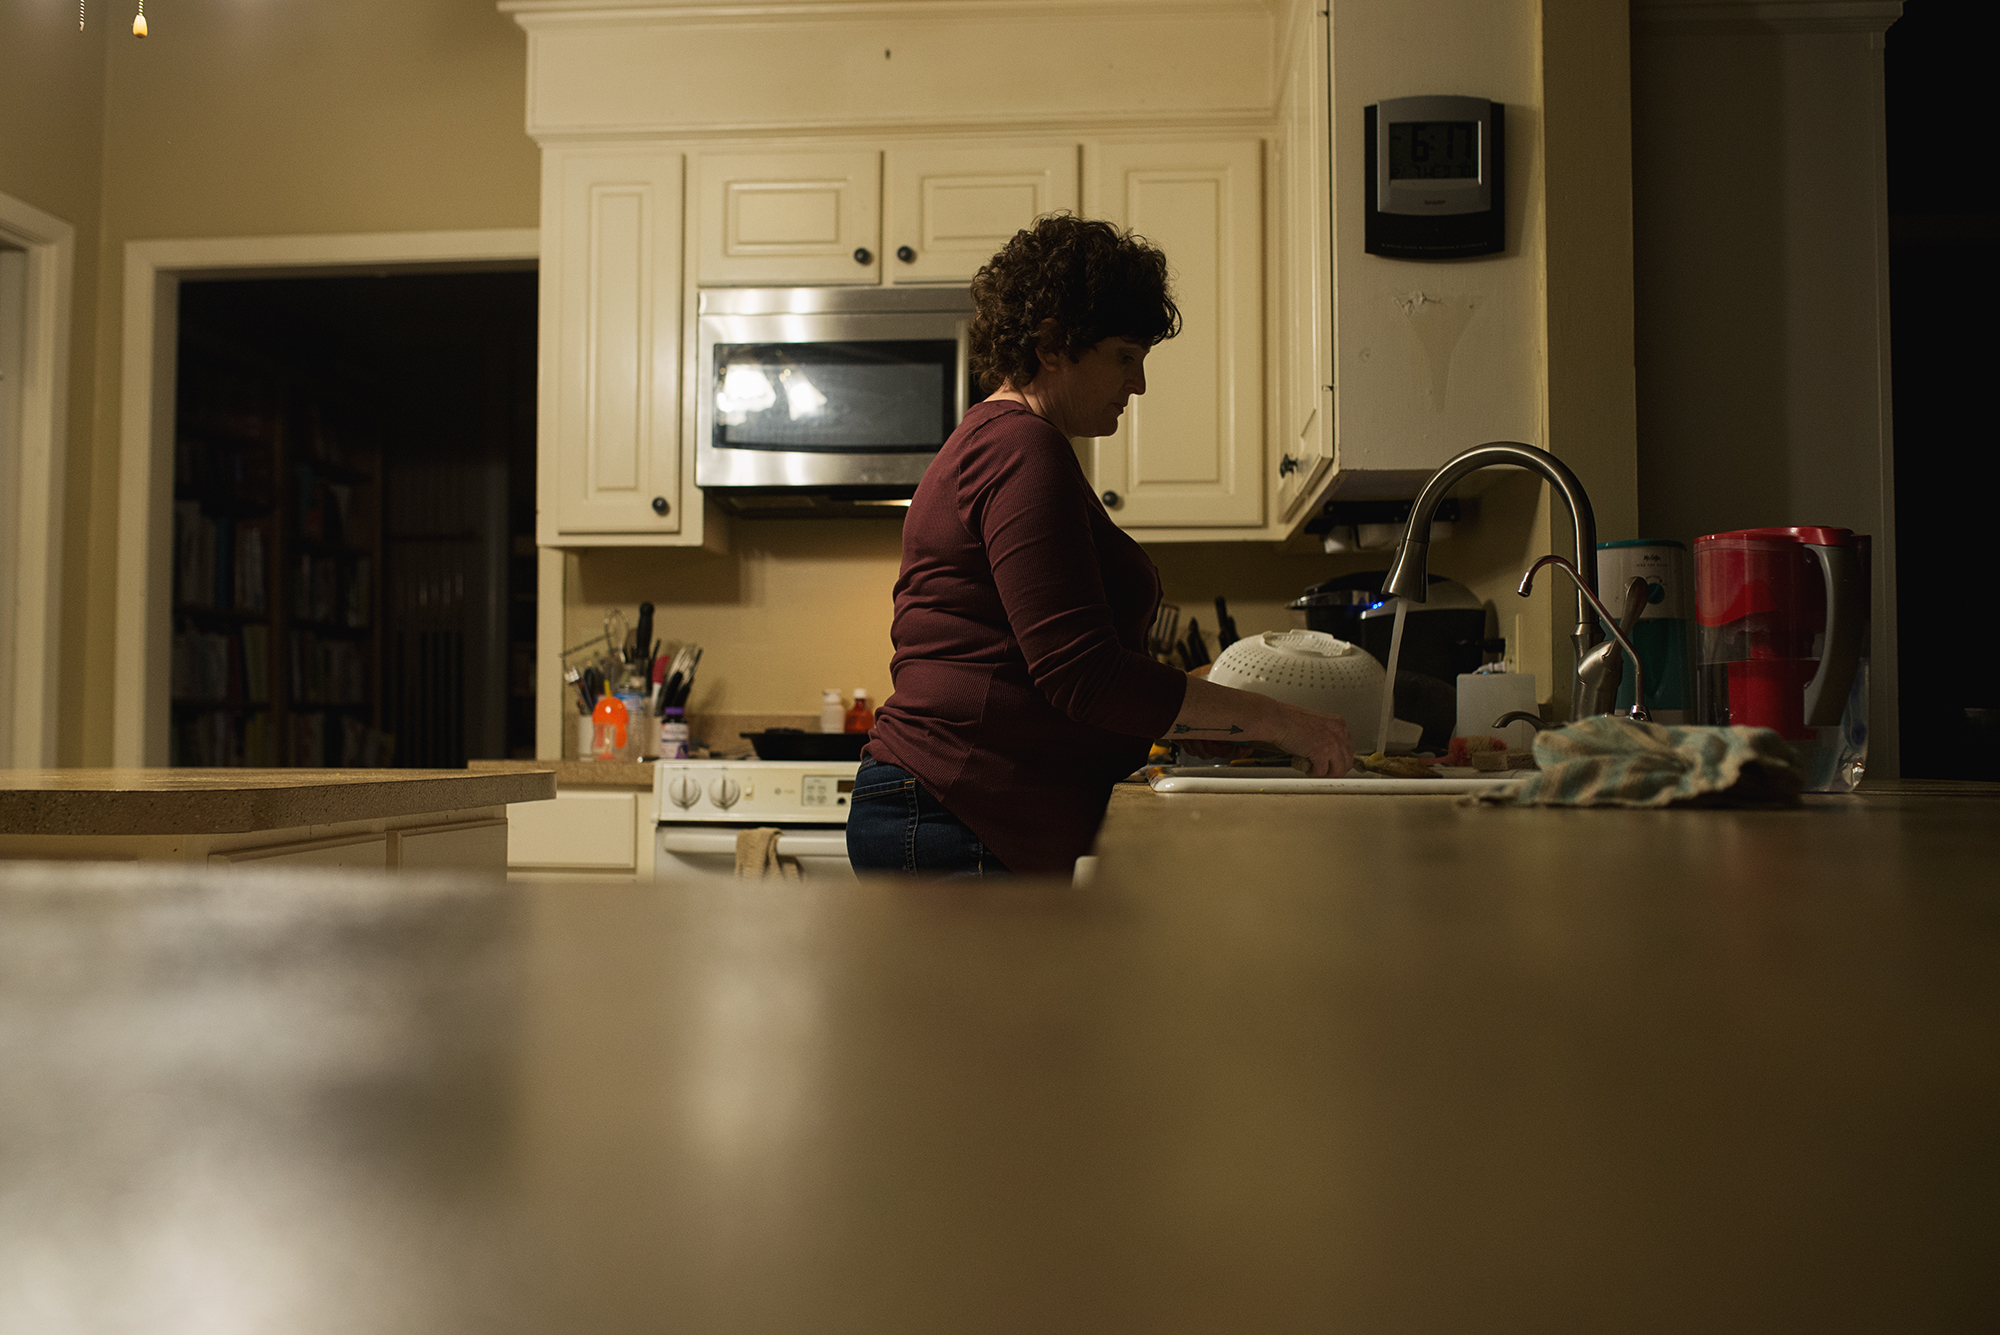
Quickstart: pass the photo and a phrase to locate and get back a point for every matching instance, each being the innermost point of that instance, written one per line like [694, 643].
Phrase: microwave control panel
[1436, 187]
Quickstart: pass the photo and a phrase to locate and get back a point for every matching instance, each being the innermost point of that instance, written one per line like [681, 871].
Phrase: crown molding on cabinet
[600, 71]
[1766, 15]
[541, 13]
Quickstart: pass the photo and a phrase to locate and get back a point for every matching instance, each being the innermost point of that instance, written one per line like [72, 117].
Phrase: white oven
[702, 805]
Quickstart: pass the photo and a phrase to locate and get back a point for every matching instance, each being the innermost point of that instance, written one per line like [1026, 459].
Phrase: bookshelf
[276, 657]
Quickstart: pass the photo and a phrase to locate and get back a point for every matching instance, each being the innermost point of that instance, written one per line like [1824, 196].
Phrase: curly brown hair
[1088, 278]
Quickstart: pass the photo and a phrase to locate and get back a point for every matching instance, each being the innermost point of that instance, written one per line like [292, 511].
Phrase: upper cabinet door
[1189, 452]
[611, 350]
[1305, 428]
[952, 205]
[788, 219]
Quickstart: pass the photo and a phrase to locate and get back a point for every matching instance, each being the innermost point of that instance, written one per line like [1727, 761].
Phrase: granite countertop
[232, 801]
[575, 773]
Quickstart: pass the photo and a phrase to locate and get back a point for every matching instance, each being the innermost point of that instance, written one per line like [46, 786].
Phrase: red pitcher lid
[1812, 535]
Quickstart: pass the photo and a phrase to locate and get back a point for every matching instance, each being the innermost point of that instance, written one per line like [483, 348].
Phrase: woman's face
[1085, 397]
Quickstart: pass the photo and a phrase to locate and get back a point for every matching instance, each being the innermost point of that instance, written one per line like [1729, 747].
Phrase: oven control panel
[738, 791]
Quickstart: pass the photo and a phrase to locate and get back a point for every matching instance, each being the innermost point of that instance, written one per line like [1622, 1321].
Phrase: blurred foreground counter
[1424, 1072]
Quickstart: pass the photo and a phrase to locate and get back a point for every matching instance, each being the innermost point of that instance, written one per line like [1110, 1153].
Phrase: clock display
[1433, 150]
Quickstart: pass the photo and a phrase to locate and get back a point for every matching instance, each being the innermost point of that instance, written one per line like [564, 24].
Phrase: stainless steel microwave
[826, 400]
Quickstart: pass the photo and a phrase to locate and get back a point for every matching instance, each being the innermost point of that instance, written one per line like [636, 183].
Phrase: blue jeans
[894, 824]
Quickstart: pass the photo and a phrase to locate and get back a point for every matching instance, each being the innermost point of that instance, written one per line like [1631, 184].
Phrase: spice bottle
[832, 717]
[860, 718]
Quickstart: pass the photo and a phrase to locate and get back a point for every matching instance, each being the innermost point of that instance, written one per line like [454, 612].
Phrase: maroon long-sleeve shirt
[1022, 689]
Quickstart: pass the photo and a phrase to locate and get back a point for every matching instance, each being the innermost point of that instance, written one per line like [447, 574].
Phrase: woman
[1022, 688]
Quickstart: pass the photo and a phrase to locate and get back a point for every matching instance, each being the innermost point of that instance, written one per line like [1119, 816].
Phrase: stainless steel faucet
[1409, 577]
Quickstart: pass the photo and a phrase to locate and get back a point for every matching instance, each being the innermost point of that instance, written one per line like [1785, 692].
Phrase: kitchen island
[1285, 1064]
[309, 817]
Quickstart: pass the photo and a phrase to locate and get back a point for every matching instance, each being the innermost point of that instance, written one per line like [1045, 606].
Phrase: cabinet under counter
[382, 819]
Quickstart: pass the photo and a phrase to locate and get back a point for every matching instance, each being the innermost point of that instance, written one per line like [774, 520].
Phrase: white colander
[1313, 670]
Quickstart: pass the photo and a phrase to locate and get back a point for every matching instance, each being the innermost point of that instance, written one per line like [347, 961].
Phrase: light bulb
[139, 21]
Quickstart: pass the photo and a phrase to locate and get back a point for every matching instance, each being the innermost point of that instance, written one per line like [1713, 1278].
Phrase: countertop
[229, 801]
[1286, 1064]
[575, 773]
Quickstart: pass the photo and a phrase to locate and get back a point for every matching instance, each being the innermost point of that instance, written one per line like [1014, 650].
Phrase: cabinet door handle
[1287, 466]
[1111, 500]
[660, 505]
[863, 255]
[906, 255]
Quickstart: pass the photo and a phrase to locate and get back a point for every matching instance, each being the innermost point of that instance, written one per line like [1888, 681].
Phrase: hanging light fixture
[139, 23]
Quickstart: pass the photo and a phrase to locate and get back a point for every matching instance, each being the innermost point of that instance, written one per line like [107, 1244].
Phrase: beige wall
[51, 138]
[265, 119]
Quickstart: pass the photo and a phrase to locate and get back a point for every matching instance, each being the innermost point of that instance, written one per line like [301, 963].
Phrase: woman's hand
[1320, 738]
[1222, 714]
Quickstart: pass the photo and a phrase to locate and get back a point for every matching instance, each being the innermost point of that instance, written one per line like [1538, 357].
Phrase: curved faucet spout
[1610, 623]
[1409, 577]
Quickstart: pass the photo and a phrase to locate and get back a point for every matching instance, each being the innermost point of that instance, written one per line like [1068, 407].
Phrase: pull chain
[79, 15]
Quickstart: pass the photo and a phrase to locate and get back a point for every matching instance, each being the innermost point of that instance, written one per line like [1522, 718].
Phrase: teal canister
[1663, 636]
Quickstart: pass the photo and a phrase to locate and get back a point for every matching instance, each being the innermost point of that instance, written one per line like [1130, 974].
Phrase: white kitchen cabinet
[1303, 439]
[949, 206]
[588, 832]
[1189, 453]
[610, 466]
[788, 219]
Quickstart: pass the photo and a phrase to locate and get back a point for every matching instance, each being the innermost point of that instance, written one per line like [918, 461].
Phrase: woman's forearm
[1212, 713]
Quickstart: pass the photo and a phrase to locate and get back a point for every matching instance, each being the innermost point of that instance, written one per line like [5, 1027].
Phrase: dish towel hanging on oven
[1613, 762]
[757, 856]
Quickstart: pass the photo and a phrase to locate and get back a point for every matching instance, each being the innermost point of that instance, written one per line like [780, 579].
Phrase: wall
[52, 108]
[237, 119]
[1762, 288]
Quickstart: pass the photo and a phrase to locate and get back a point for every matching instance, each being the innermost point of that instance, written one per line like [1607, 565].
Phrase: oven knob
[683, 791]
[724, 792]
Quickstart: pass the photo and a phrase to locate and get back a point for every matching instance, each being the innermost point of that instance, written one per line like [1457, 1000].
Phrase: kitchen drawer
[582, 831]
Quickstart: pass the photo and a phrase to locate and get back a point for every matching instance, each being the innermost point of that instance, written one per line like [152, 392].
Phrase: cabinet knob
[905, 254]
[1287, 466]
[1111, 499]
[863, 255]
[660, 505]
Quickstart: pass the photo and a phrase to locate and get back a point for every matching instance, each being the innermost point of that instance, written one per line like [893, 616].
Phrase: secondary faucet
[1409, 577]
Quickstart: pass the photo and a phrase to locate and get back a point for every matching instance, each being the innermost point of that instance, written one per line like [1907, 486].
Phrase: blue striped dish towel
[1606, 761]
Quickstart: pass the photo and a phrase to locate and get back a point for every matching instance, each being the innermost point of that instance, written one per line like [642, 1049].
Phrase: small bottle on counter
[860, 718]
[673, 733]
[832, 715]
[609, 724]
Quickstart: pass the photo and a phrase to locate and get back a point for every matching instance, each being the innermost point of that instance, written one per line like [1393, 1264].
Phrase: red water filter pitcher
[1783, 617]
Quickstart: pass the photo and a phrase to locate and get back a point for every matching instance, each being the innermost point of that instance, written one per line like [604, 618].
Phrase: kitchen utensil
[642, 640]
[1166, 631]
[1783, 619]
[1194, 651]
[1225, 625]
[1312, 670]
[797, 744]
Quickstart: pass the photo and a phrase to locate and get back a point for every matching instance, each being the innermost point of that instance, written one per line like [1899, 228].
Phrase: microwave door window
[835, 398]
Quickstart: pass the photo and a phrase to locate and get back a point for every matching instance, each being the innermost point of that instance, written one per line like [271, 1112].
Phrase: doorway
[1944, 223]
[354, 570]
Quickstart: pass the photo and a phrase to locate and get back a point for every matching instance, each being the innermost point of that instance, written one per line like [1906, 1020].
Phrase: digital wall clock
[1436, 179]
